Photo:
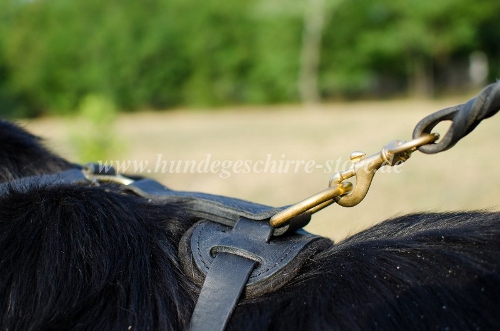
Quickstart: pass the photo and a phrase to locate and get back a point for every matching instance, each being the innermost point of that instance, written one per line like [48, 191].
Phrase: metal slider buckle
[94, 174]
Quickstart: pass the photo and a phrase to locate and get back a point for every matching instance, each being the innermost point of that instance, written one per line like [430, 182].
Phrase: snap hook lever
[363, 168]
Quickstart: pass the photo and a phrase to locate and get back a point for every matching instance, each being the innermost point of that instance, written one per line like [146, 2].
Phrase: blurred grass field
[462, 178]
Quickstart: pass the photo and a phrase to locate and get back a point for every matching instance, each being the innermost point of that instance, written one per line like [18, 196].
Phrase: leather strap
[227, 276]
[72, 176]
[258, 262]
[220, 292]
[279, 258]
[220, 209]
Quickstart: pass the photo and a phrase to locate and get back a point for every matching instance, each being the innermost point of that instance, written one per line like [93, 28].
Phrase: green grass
[462, 178]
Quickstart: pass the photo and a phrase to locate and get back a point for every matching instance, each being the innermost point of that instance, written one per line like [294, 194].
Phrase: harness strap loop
[220, 292]
[210, 253]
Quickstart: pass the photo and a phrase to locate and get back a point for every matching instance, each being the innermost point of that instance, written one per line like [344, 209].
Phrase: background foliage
[169, 53]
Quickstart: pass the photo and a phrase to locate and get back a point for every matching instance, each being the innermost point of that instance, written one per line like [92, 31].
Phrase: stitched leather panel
[278, 260]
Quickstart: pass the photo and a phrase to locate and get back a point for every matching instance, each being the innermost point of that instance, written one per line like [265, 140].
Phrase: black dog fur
[91, 258]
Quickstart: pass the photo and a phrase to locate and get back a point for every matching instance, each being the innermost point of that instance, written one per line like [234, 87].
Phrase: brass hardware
[363, 168]
[312, 204]
[396, 152]
[346, 194]
[357, 156]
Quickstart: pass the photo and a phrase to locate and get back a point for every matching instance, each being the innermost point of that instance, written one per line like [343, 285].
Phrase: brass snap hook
[310, 205]
[364, 168]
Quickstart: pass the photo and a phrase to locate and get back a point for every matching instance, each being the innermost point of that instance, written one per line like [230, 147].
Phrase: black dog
[80, 257]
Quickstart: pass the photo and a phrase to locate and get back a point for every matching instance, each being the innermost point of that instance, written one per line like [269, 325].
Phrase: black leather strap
[220, 292]
[212, 254]
[216, 208]
[464, 117]
[279, 258]
[72, 176]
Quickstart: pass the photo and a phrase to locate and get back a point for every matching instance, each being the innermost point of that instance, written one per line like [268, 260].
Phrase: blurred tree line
[169, 53]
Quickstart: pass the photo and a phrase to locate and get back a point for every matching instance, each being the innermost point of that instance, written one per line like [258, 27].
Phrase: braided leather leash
[464, 118]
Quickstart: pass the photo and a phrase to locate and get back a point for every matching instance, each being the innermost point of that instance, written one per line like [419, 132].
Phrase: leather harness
[232, 252]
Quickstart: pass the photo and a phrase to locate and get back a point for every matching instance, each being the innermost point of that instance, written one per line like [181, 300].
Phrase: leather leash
[464, 118]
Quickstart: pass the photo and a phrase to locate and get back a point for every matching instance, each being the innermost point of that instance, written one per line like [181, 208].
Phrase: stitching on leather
[276, 263]
[203, 226]
[258, 271]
